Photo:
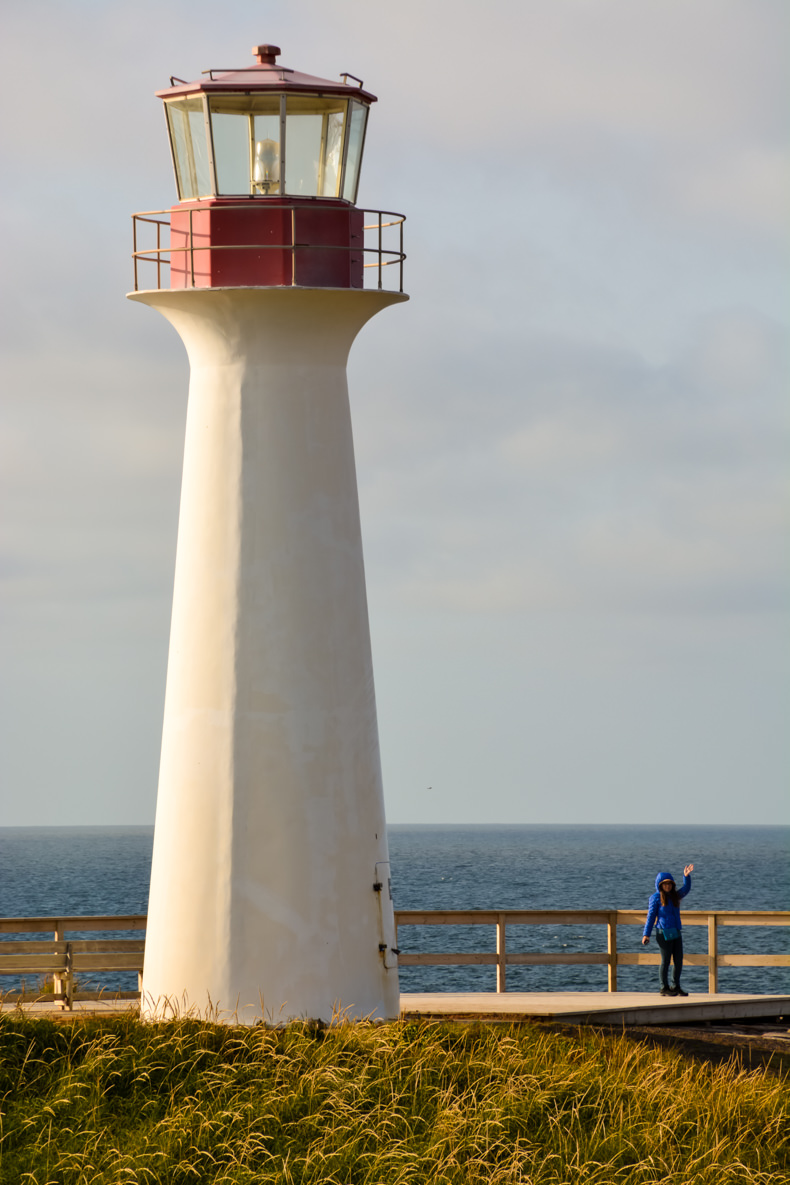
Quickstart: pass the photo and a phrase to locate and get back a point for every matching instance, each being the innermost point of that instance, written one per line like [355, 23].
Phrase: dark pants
[671, 949]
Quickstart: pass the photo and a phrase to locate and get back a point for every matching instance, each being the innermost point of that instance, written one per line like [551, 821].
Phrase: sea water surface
[50, 871]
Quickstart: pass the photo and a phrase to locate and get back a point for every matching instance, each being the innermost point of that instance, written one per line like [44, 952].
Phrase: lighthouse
[270, 890]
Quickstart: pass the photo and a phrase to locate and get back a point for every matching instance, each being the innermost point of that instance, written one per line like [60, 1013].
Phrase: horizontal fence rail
[64, 958]
[162, 253]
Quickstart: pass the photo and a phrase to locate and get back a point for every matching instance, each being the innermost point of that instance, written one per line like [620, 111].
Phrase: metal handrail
[385, 256]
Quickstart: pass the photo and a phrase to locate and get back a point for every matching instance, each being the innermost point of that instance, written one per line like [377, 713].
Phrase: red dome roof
[265, 75]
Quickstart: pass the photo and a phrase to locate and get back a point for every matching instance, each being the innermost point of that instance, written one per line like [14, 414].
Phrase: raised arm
[686, 886]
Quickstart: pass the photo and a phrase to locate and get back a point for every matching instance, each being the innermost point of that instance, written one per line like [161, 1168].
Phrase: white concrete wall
[270, 813]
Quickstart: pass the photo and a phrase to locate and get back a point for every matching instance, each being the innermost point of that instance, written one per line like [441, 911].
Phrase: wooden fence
[64, 958]
[611, 958]
[61, 958]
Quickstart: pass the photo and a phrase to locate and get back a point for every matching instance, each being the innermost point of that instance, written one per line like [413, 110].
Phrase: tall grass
[112, 1100]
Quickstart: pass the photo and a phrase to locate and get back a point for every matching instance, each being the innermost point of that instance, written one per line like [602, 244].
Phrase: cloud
[90, 478]
[576, 419]
[749, 187]
[680, 106]
[582, 477]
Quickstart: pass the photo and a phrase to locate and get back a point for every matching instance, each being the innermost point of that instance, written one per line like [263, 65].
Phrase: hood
[664, 876]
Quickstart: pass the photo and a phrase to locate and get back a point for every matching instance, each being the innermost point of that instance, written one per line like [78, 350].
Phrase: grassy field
[112, 1100]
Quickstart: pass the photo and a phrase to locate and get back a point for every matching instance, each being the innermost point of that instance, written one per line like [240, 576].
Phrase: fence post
[401, 256]
[69, 978]
[713, 955]
[192, 248]
[611, 946]
[57, 980]
[134, 248]
[501, 952]
[381, 215]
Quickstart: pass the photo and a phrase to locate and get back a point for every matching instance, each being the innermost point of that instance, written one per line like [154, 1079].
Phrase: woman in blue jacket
[664, 911]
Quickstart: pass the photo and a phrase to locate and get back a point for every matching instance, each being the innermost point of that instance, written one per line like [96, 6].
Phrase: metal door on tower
[387, 943]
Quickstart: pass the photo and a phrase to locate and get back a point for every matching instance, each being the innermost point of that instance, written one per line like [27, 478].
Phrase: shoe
[665, 992]
[677, 991]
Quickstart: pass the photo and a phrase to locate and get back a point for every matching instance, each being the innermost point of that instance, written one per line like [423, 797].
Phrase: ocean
[47, 871]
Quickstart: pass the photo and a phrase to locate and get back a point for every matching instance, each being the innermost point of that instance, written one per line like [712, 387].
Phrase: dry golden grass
[400, 1104]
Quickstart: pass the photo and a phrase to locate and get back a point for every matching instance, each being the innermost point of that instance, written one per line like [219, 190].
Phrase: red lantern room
[267, 164]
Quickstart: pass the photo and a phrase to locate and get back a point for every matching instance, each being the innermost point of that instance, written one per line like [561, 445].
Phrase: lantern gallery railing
[191, 255]
[56, 960]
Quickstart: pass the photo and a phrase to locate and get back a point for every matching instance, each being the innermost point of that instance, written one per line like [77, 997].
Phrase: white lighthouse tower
[270, 880]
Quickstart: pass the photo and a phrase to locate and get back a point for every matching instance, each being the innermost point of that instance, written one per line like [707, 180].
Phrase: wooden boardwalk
[603, 1008]
[609, 1008]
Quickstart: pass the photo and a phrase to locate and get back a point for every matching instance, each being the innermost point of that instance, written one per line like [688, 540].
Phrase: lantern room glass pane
[247, 151]
[190, 151]
[231, 153]
[356, 138]
[314, 128]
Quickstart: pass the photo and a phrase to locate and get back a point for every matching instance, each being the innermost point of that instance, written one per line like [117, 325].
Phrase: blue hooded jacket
[665, 917]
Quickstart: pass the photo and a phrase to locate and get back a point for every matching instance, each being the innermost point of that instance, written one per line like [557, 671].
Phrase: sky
[571, 442]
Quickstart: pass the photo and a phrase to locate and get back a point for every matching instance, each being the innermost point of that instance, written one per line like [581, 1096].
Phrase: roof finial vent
[267, 55]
